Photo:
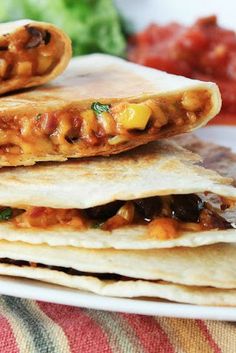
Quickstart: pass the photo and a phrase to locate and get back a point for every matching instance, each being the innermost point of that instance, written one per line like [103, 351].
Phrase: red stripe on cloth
[150, 334]
[208, 336]
[83, 334]
[8, 342]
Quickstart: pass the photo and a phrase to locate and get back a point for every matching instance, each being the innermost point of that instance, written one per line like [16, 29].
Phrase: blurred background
[140, 13]
[102, 25]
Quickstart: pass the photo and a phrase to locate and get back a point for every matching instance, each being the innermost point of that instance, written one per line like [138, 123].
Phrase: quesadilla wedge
[155, 196]
[31, 53]
[101, 105]
[204, 275]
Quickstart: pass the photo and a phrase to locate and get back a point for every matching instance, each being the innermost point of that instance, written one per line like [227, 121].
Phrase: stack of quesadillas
[145, 222]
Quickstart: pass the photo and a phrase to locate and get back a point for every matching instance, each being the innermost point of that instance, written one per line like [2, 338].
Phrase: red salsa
[204, 51]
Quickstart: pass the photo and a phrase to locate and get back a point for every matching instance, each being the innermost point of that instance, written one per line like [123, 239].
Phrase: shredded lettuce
[93, 25]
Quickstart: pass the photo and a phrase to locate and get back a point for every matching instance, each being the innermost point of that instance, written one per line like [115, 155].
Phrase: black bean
[36, 38]
[149, 207]
[47, 37]
[186, 208]
[104, 212]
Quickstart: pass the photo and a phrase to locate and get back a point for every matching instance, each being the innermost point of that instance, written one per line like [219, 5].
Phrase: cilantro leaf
[6, 214]
[98, 108]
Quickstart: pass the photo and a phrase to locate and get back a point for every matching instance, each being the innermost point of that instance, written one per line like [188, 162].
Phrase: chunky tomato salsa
[204, 51]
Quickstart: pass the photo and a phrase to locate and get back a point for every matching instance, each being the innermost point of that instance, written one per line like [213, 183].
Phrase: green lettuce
[93, 25]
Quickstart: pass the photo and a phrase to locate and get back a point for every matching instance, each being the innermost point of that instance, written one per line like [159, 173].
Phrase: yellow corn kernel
[127, 211]
[191, 101]
[134, 116]
[163, 228]
[22, 68]
[44, 62]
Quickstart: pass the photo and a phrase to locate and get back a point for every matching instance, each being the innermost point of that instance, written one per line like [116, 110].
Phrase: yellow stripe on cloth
[224, 334]
[185, 335]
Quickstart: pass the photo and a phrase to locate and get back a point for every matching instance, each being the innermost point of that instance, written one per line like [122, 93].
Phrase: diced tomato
[36, 211]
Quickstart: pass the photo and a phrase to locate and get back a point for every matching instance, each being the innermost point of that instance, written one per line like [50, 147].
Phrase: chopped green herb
[98, 108]
[38, 116]
[6, 214]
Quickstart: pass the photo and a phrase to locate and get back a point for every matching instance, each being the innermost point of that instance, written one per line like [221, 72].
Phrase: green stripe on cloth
[120, 335]
[41, 338]
[20, 332]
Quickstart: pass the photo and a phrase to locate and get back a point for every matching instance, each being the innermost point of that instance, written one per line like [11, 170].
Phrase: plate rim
[36, 290]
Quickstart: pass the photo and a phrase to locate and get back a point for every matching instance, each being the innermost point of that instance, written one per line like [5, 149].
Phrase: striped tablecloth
[27, 326]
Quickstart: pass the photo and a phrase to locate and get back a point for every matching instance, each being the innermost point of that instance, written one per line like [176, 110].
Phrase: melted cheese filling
[66, 131]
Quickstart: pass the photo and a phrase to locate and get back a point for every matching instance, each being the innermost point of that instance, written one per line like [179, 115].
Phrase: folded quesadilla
[31, 53]
[155, 196]
[202, 275]
[101, 105]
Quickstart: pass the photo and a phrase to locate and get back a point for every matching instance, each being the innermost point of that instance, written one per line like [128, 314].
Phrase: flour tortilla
[160, 168]
[106, 79]
[128, 237]
[128, 288]
[24, 82]
[212, 265]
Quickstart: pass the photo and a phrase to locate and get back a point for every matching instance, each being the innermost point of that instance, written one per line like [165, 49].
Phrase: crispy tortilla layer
[97, 124]
[124, 286]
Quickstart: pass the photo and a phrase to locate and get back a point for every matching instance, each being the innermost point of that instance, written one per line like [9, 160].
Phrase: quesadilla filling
[100, 124]
[30, 51]
[166, 217]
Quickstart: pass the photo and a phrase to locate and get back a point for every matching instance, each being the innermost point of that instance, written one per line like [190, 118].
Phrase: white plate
[222, 135]
[56, 294]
